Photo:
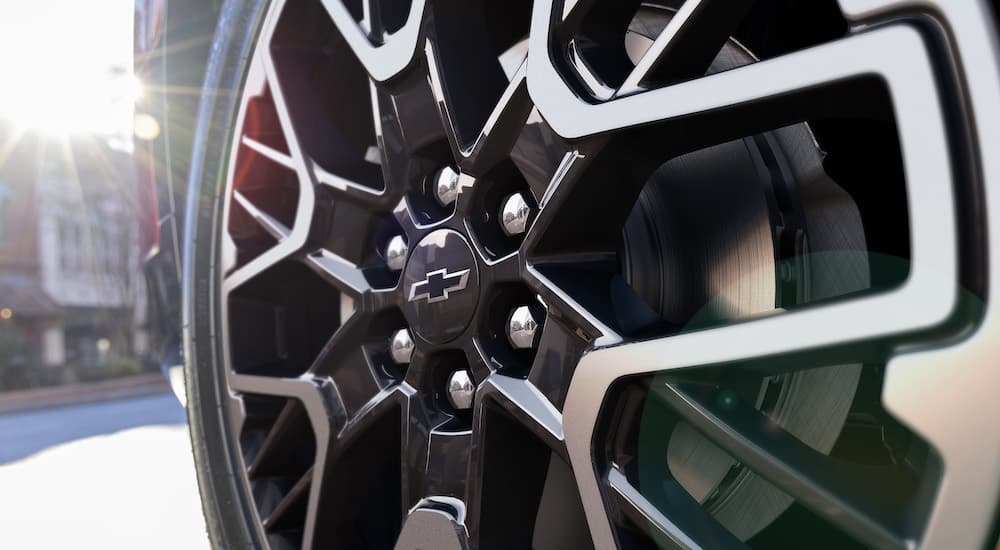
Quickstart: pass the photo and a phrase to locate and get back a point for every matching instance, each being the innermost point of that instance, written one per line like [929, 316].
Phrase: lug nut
[522, 328]
[401, 347]
[446, 188]
[395, 253]
[514, 215]
[461, 390]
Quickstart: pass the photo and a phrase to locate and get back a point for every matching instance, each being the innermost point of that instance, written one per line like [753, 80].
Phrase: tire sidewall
[225, 502]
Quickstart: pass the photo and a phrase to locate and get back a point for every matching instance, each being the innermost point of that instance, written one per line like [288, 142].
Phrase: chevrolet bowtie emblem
[438, 284]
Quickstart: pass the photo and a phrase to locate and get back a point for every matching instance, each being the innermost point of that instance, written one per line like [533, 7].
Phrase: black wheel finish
[421, 302]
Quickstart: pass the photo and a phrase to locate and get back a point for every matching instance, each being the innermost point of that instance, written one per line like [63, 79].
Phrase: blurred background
[94, 450]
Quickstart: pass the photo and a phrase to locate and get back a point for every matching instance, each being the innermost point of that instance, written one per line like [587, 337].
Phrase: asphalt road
[103, 475]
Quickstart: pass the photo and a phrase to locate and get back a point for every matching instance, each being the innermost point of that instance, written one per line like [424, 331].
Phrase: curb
[40, 398]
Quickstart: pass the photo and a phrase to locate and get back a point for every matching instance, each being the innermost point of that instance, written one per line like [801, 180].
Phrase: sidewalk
[57, 396]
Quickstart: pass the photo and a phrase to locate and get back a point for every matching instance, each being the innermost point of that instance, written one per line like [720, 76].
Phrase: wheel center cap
[441, 286]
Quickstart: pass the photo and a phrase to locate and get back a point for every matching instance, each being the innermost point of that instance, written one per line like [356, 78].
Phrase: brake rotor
[702, 246]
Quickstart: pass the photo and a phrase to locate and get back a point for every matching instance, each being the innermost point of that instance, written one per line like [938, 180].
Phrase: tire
[225, 504]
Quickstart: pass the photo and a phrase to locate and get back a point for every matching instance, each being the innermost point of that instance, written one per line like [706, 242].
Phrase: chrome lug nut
[461, 390]
[395, 253]
[522, 328]
[401, 347]
[446, 189]
[514, 215]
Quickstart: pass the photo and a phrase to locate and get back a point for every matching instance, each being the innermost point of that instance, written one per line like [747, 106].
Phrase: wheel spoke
[343, 274]
[395, 146]
[274, 227]
[285, 119]
[673, 519]
[290, 239]
[385, 60]
[283, 433]
[516, 432]
[387, 156]
[686, 47]
[506, 269]
[528, 406]
[270, 152]
[435, 459]
[743, 100]
[356, 356]
[354, 459]
[495, 140]
[559, 351]
[864, 9]
[594, 18]
[297, 497]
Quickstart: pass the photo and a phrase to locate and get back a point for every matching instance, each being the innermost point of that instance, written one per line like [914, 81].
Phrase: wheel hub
[441, 285]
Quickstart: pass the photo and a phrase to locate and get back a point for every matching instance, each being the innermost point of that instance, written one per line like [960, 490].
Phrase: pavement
[115, 474]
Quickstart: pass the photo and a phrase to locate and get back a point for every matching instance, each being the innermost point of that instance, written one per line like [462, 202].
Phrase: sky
[66, 66]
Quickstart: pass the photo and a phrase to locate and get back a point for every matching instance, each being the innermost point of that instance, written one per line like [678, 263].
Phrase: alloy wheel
[566, 274]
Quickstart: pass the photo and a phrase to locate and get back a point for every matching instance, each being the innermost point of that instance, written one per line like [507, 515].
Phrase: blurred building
[70, 290]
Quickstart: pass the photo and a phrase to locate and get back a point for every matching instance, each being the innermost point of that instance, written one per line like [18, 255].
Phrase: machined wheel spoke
[516, 431]
[274, 227]
[598, 14]
[347, 277]
[290, 238]
[344, 475]
[668, 515]
[496, 139]
[591, 326]
[864, 500]
[743, 100]
[404, 217]
[270, 152]
[686, 47]
[305, 389]
[388, 155]
[777, 342]
[571, 170]
[285, 118]
[871, 9]
[342, 187]
[528, 406]
[388, 57]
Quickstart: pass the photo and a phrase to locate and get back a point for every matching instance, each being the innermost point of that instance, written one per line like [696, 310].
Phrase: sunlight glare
[67, 66]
